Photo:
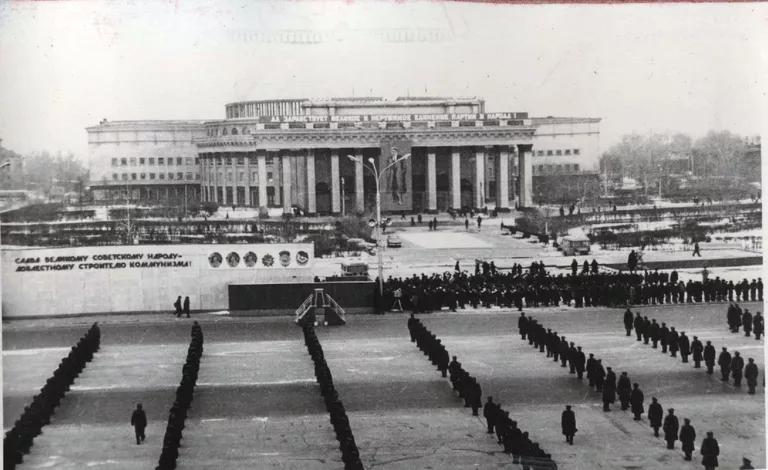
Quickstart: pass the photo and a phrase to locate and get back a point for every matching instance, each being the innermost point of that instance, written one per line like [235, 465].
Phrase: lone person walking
[696, 250]
[568, 422]
[186, 306]
[139, 423]
[709, 450]
[177, 306]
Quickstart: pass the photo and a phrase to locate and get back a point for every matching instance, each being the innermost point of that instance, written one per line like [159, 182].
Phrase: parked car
[393, 241]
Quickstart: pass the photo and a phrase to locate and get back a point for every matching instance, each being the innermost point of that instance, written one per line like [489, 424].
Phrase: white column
[311, 201]
[431, 181]
[247, 179]
[502, 179]
[359, 191]
[335, 183]
[286, 164]
[261, 167]
[224, 167]
[455, 178]
[525, 171]
[215, 180]
[479, 178]
[234, 180]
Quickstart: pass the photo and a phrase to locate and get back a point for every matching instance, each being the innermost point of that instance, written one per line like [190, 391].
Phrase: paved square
[257, 404]
[437, 240]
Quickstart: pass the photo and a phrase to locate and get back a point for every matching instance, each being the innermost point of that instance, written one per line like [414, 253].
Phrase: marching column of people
[516, 287]
[19, 439]
[730, 366]
[738, 318]
[515, 442]
[604, 381]
[178, 413]
[350, 454]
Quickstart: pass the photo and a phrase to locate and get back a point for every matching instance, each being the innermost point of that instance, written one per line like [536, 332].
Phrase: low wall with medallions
[142, 278]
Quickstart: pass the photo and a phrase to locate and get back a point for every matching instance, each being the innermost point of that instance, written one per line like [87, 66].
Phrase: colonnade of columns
[218, 177]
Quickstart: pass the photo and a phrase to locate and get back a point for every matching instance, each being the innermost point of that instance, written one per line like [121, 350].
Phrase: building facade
[145, 161]
[322, 156]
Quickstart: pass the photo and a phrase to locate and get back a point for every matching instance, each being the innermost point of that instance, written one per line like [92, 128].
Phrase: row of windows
[240, 177]
[560, 152]
[142, 176]
[555, 169]
[151, 161]
[238, 160]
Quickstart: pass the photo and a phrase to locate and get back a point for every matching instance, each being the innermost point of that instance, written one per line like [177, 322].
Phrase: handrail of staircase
[303, 307]
[335, 306]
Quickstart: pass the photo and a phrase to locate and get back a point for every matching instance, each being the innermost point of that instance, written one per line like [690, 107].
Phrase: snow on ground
[437, 240]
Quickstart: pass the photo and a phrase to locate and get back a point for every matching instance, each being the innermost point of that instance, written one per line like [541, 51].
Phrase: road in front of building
[257, 404]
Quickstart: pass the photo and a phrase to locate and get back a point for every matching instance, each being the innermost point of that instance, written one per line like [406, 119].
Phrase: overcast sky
[642, 68]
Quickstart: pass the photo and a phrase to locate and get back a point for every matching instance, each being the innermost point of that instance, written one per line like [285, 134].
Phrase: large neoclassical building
[317, 155]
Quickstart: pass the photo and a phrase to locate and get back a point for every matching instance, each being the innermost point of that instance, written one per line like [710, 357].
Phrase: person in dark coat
[757, 325]
[177, 306]
[628, 321]
[746, 322]
[687, 438]
[489, 413]
[709, 451]
[636, 400]
[684, 345]
[609, 389]
[522, 325]
[639, 323]
[599, 375]
[709, 357]
[671, 426]
[737, 368]
[186, 306]
[672, 340]
[655, 415]
[568, 422]
[591, 362]
[750, 373]
[697, 349]
[624, 390]
[574, 267]
[139, 423]
[746, 464]
[724, 361]
[580, 362]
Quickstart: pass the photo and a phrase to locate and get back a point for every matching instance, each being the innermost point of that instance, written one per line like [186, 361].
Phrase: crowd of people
[655, 333]
[178, 413]
[604, 381]
[738, 318]
[350, 454]
[520, 288]
[524, 451]
[19, 439]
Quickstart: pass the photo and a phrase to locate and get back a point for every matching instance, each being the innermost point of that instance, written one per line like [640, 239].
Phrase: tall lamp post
[371, 166]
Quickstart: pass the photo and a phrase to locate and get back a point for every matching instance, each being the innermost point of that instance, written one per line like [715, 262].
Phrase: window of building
[179, 176]
[270, 160]
[197, 176]
[151, 176]
[559, 153]
[114, 162]
[549, 153]
[160, 161]
[179, 161]
[229, 176]
[124, 176]
[133, 162]
[197, 161]
[240, 161]
[254, 177]
[224, 131]
[252, 160]
[540, 153]
[115, 177]
[567, 151]
[269, 176]
[227, 161]
[143, 176]
[189, 161]
[142, 161]
[151, 160]
[575, 151]
[162, 176]
[170, 161]
[240, 176]
[123, 161]
[234, 131]
[133, 176]
[576, 167]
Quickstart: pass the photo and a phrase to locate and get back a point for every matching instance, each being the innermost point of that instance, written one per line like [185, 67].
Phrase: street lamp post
[371, 166]
[343, 197]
